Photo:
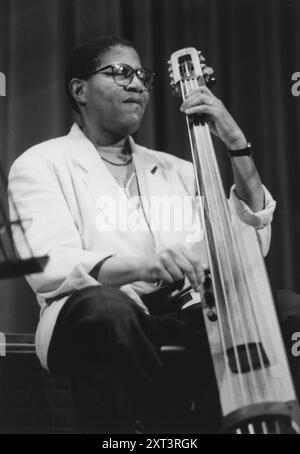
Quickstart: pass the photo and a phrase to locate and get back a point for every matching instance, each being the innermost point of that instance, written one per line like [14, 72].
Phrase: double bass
[254, 383]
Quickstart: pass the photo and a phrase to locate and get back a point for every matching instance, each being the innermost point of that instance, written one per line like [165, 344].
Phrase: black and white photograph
[149, 219]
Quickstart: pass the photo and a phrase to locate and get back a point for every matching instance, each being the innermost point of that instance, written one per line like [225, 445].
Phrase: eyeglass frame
[133, 71]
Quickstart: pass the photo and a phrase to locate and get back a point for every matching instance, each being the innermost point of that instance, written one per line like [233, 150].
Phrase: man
[94, 325]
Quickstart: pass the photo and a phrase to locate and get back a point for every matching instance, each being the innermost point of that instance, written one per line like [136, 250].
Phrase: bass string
[248, 353]
[240, 258]
[235, 307]
[242, 272]
[240, 269]
[222, 276]
[200, 134]
[222, 337]
[185, 89]
[249, 356]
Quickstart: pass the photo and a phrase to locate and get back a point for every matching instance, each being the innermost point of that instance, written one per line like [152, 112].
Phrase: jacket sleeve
[50, 230]
[260, 220]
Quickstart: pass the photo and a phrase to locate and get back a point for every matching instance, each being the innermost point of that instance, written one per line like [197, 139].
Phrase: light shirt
[126, 178]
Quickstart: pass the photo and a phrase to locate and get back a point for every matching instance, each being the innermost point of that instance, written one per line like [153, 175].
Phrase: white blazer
[61, 187]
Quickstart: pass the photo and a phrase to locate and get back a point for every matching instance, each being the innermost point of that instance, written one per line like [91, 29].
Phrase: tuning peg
[210, 80]
[201, 58]
[175, 91]
[208, 75]
[207, 70]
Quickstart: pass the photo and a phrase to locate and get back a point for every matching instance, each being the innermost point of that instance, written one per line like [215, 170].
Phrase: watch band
[247, 151]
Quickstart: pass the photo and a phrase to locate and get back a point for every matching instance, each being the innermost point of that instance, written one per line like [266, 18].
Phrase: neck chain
[117, 164]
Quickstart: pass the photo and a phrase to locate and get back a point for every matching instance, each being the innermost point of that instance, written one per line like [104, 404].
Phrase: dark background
[254, 47]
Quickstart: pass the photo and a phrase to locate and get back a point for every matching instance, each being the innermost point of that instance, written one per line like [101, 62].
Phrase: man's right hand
[172, 264]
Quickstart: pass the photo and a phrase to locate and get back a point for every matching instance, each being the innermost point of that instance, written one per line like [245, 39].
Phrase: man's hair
[86, 57]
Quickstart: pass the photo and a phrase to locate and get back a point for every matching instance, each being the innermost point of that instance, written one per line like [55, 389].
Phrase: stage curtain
[253, 46]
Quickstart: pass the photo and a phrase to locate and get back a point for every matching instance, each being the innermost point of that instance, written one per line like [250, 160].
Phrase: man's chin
[131, 127]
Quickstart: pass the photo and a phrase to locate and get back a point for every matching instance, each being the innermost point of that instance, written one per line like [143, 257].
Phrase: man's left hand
[203, 102]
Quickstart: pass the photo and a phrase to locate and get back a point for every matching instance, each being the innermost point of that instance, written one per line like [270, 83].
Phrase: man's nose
[136, 84]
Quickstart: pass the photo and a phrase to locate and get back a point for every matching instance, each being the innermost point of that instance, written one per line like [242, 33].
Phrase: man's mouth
[134, 101]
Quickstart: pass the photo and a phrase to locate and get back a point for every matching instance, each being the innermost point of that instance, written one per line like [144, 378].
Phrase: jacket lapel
[97, 178]
[152, 185]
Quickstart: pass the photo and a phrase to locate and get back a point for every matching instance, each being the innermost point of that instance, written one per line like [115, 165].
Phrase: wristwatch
[247, 151]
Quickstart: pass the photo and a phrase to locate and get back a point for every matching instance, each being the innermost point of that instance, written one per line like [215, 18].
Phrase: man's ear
[78, 89]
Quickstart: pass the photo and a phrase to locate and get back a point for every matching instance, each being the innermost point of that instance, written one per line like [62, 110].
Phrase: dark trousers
[111, 350]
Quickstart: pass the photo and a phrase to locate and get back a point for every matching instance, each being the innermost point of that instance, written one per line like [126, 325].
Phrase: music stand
[10, 264]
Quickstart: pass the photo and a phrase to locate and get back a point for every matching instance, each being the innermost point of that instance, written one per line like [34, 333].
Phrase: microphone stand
[10, 264]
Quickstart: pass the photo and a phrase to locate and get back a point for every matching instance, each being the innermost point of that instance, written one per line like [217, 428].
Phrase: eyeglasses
[123, 75]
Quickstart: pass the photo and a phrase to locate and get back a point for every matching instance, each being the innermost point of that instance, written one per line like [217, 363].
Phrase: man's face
[117, 110]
